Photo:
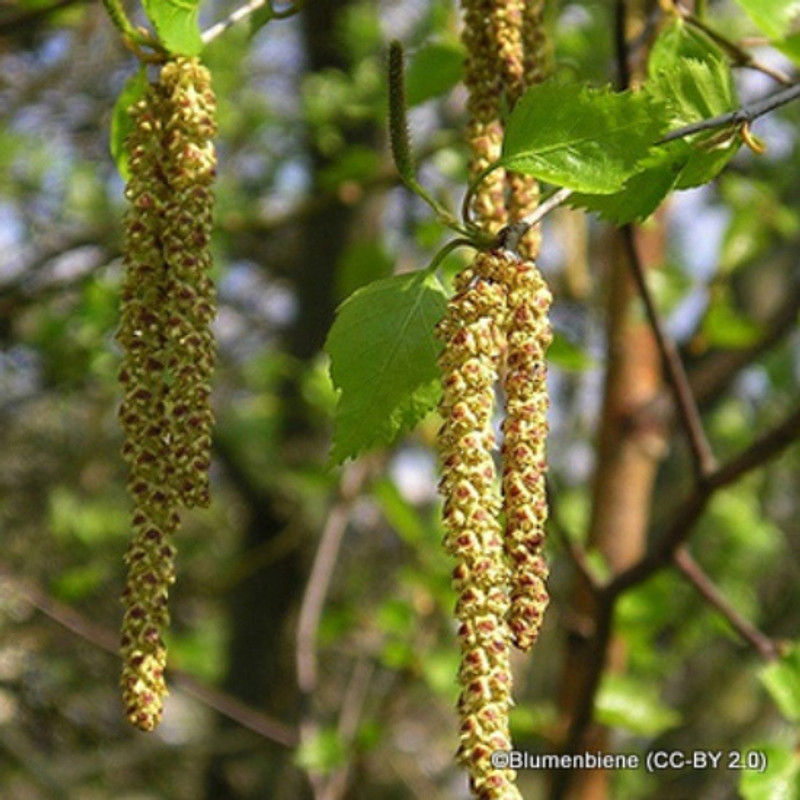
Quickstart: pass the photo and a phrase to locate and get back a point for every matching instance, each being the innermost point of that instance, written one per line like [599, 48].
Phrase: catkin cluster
[496, 331]
[168, 304]
[496, 327]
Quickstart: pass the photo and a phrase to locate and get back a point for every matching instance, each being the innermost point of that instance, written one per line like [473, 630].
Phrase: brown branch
[702, 455]
[320, 577]
[693, 572]
[106, 640]
[761, 451]
[740, 56]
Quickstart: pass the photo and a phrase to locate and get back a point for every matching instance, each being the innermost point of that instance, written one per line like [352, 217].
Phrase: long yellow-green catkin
[167, 307]
[532, 65]
[143, 414]
[472, 331]
[484, 132]
[189, 163]
[523, 453]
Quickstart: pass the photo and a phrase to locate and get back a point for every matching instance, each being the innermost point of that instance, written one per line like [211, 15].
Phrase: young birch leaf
[644, 191]
[434, 70]
[696, 90]
[121, 121]
[777, 18]
[678, 41]
[589, 140]
[383, 360]
[176, 23]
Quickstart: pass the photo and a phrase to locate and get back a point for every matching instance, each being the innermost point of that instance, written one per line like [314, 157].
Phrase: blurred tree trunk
[630, 444]
[262, 608]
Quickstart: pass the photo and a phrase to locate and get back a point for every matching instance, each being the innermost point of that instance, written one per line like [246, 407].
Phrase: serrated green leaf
[589, 140]
[777, 18]
[697, 90]
[644, 191]
[790, 47]
[624, 702]
[782, 680]
[779, 781]
[383, 360]
[432, 71]
[177, 24]
[676, 42]
[121, 121]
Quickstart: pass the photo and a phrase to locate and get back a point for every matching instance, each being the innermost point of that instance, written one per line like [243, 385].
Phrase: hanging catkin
[167, 307]
[472, 332]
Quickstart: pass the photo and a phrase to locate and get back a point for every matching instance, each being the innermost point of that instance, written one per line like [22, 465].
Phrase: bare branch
[759, 453]
[106, 640]
[702, 455]
[693, 572]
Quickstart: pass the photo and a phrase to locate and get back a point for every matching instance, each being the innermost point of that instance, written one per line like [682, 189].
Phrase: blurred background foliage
[308, 209]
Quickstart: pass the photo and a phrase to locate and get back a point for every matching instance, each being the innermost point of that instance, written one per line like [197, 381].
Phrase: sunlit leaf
[782, 681]
[432, 71]
[121, 121]
[176, 23]
[383, 360]
[624, 702]
[589, 140]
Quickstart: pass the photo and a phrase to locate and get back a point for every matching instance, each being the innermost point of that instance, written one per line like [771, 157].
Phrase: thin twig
[320, 577]
[760, 452]
[245, 11]
[702, 455]
[693, 572]
[106, 640]
[739, 116]
[740, 56]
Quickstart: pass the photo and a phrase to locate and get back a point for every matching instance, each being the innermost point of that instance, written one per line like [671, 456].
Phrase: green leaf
[624, 702]
[261, 17]
[568, 356]
[697, 90]
[644, 191]
[177, 25]
[779, 781]
[589, 140]
[777, 18]
[323, 751]
[121, 121]
[383, 360]
[433, 71]
[724, 326]
[782, 680]
[676, 42]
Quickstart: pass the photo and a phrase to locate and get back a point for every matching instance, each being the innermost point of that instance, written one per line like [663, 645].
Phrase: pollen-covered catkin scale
[524, 433]
[189, 163]
[143, 415]
[472, 331]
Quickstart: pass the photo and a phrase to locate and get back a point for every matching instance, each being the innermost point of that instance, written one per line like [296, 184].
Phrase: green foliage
[589, 140]
[782, 681]
[628, 703]
[121, 122]
[433, 70]
[383, 360]
[177, 25]
[781, 778]
[690, 82]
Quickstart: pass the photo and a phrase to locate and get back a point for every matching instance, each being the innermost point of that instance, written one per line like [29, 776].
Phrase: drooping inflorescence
[472, 331]
[496, 331]
[167, 307]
